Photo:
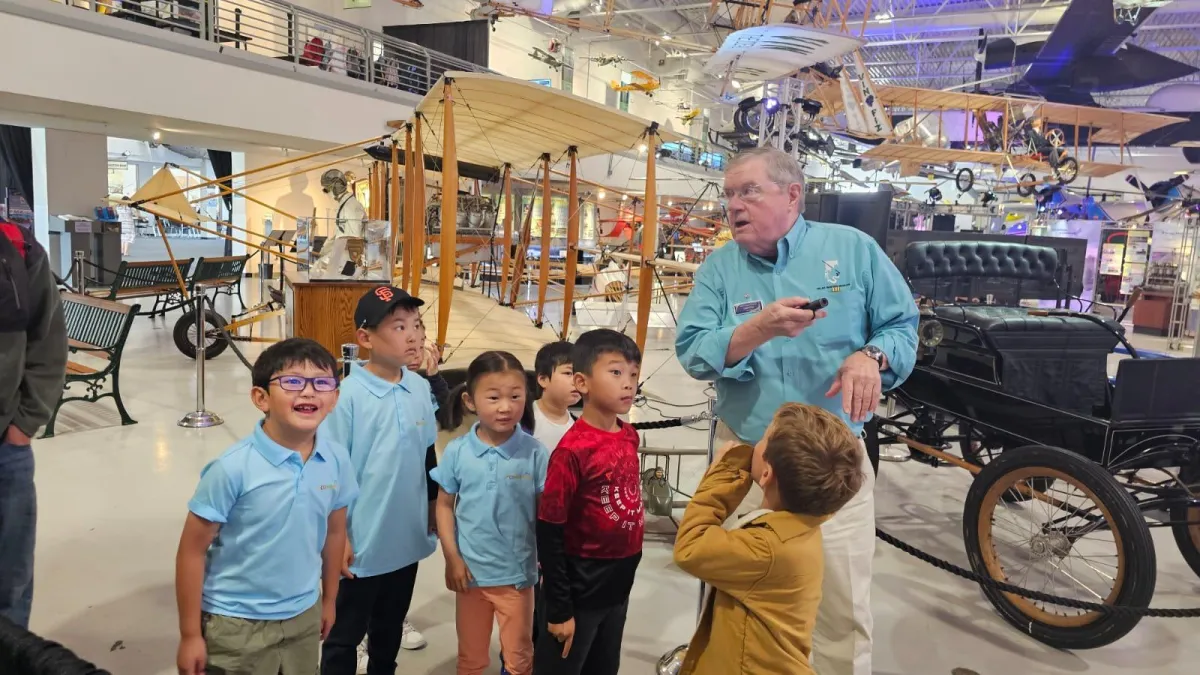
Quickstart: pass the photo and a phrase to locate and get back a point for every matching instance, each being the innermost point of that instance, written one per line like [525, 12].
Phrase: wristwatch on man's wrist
[875, 353]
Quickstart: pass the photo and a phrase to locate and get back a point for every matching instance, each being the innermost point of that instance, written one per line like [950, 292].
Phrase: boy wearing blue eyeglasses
[385, 418]
[256, 575]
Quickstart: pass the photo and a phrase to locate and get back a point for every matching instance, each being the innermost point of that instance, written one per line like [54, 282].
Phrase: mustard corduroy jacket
[764, 578]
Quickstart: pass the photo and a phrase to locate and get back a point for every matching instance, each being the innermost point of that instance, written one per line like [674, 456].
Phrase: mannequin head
[333, 182]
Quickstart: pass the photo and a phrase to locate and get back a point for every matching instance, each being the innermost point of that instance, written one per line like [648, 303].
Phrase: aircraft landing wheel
[185, 334]
[1082, 538]
[1026, 184]
[1068, 170]
[964, 180]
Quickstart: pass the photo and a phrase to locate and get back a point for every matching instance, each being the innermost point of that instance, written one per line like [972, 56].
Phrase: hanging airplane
[1086, 53]
[607, 59]
[546, 58]
[642, 81]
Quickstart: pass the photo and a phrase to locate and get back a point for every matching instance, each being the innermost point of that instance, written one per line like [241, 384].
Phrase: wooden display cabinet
[324, 310]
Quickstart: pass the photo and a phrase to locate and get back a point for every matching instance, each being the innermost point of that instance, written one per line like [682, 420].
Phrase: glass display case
[343, 258]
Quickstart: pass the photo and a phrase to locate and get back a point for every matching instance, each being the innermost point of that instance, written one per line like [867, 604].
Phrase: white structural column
[239, 215]
[70, 177]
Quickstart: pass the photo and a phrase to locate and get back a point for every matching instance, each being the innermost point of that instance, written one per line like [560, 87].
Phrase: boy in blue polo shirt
[385, 419]
[266, 529]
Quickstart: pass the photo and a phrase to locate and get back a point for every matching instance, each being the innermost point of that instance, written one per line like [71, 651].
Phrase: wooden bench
[98, 328]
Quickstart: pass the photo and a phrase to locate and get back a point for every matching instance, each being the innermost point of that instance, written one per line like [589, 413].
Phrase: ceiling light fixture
[666, 38]
[884, 17]
[735, 84]
[157, 136]
[601, 195]
[642, 147]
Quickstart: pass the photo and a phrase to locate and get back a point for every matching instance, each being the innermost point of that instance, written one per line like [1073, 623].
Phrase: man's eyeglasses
[323, 383]
[748, 193]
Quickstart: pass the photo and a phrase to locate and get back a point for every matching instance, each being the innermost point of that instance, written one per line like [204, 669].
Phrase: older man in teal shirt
[746, 327]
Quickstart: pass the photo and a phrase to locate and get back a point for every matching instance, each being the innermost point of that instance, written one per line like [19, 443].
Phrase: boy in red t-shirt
[590, 522]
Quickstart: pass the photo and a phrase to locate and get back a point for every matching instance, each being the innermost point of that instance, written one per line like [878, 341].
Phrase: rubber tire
[1183, 536]
[1067, 161]
[1183, 540]
[188, 320]
[1026, 178]
[964, 175]
[976, 458]
[1141, 572]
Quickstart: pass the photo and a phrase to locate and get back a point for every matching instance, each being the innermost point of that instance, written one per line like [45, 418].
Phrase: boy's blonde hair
[816, 459]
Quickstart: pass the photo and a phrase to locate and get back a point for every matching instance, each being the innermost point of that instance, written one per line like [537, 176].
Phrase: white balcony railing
[284, 31]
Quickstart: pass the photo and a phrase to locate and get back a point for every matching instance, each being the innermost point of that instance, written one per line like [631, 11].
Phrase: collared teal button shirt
[495, 511]
[869, 303]
[273, 508]
[386, 428]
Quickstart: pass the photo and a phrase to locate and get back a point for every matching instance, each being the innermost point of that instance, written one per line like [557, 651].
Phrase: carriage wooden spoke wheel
[1079, 537]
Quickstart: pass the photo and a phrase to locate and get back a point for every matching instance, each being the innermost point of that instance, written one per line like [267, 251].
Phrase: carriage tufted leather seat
[992, 259]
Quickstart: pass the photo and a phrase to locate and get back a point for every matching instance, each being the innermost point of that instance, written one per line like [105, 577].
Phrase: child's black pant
[596, 649]
[374, 607]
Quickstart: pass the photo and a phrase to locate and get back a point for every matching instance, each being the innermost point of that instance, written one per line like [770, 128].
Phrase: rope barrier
[988, 582]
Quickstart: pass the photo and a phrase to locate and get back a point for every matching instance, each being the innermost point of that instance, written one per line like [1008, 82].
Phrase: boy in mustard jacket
[764, 571]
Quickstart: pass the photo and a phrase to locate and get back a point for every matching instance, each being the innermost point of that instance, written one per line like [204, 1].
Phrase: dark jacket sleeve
[431, 486]
[45, 349]
[556, 586]
[440, 389]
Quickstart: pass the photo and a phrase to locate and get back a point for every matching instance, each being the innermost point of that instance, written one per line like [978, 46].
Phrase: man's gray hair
[781, 168]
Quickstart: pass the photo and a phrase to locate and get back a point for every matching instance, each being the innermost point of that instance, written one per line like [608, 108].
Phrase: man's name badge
[747, 308]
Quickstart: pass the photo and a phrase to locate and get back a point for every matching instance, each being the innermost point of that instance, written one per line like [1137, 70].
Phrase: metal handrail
[290, 33]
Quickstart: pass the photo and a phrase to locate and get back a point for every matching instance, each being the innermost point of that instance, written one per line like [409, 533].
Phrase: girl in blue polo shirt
[490, 481]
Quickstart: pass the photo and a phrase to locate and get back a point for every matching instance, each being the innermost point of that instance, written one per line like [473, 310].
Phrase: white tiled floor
[112, 500]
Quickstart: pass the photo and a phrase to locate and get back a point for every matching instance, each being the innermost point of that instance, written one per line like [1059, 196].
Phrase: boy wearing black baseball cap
[385, 418]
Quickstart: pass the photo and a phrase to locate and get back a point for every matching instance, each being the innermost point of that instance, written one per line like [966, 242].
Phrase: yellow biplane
[690, 116]
[642, 81]
[1026, 136]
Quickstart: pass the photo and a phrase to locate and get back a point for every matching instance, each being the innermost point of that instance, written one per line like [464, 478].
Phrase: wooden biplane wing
[1112, 126]
[503, 119]
[919, 154]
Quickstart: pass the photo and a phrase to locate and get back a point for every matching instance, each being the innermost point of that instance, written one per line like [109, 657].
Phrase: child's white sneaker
[412, 637]
[361, 668]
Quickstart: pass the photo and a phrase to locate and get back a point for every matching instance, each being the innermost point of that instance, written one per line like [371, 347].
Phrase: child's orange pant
[513, 610]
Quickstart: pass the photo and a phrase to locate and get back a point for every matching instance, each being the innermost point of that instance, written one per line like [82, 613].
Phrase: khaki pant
[842, 635]
[256, 647]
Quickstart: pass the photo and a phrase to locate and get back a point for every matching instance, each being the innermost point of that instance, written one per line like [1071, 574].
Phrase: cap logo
[384, 293]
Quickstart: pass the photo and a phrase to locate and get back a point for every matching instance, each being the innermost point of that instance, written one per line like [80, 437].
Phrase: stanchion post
[77, 273]
[712, 451]
[200, 418]
[349, 357]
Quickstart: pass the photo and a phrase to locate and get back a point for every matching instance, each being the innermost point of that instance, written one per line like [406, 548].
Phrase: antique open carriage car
[1071, 468]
